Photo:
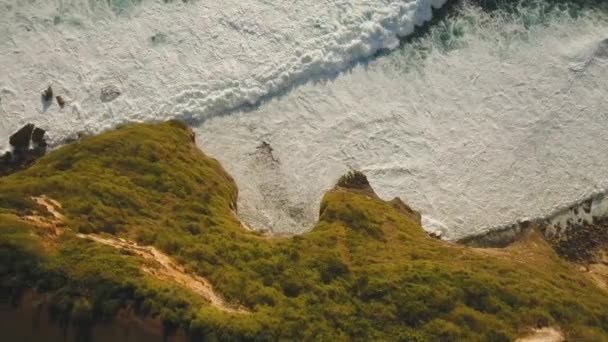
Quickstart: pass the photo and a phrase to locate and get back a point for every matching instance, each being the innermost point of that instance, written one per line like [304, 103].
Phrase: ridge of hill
[123, 221]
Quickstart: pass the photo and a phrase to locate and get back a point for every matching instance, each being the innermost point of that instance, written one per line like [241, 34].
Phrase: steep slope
[367, 271]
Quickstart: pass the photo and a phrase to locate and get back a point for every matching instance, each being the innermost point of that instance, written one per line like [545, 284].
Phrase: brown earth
[159, 265]
[165, 268]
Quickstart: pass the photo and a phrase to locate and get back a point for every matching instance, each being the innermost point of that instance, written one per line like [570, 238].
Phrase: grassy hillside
[367, 271]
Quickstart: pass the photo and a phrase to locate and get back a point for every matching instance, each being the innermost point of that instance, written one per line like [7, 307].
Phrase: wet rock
[267, 150]
[109, 93]
[6, 158]
[60, 101]
[22, 155]
[20, 140]
[435, 235]
[38, 137]
[47, 95]
[265, 146]
[581, 242]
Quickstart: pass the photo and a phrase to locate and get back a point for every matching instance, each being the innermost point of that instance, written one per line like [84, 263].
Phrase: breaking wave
[486, 118]
[180, 60]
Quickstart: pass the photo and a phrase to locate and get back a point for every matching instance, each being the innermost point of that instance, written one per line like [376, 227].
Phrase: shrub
[354, 180]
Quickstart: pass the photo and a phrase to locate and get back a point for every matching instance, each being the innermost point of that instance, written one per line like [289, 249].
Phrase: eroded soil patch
[165, 268]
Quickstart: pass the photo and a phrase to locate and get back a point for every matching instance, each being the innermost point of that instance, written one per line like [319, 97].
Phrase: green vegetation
[365, 272]
[354, 180]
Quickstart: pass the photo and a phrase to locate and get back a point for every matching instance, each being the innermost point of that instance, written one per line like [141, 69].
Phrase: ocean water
[487, 118]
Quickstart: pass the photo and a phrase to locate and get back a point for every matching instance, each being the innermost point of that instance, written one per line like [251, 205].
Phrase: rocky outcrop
[28, 144]
[38, 137]
[582, 242]
[577, 232]
[20, 140]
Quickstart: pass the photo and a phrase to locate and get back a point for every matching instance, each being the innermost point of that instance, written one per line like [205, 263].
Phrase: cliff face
[29, 320]
[139, 220]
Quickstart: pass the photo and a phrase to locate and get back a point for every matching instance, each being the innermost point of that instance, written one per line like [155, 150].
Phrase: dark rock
[6, 158]
[267, 150]
[47, 95]
[265, 146]
[60, 101]
[526, 224]
[22, 155]
[435, 235]
[38, 137]
[580, 243]
[20, 140]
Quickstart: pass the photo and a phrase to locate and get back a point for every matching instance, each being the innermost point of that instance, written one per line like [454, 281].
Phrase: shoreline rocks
[28, 144]
[20, 140]
[576, 232]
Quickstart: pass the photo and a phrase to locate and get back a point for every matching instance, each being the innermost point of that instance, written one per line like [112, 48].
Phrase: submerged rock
[267, 150]
[109, 93]
[601, 50]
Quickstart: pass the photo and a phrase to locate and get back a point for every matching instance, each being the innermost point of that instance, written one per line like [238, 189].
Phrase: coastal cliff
[138, 220]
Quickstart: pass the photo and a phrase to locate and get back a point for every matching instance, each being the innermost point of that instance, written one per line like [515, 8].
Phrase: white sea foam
[509, 125]
[496, 130]
[182, 60]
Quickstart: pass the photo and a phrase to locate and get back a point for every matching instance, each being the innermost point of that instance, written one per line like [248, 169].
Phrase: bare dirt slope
[159, 265]
[165, 268]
